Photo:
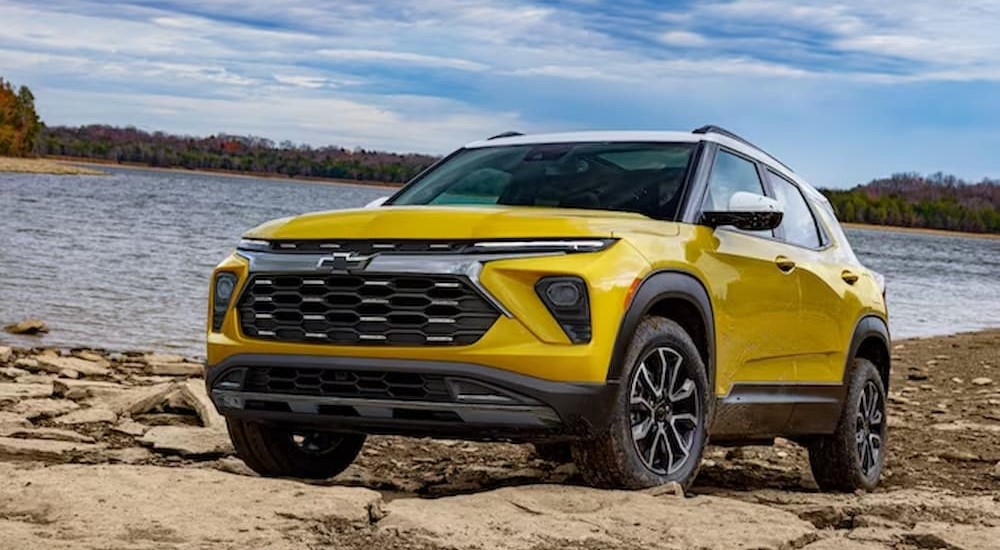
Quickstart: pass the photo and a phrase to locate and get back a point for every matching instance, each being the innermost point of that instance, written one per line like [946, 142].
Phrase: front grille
[366, 309]
[367, 384]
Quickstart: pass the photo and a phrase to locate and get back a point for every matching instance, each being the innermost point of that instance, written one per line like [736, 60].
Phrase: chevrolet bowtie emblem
[343, 261]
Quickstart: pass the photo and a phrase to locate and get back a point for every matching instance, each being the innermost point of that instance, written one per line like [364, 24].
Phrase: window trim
[765, 187]
[821, 231]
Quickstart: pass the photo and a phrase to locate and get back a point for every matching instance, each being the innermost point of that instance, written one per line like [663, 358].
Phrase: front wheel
[277, 451]
[658, 428]
[852, 457]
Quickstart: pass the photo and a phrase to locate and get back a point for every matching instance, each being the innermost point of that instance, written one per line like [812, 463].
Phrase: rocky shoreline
[44, 166]
[124, 450]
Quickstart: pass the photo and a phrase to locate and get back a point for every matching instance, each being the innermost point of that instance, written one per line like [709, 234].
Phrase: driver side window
[730, 174]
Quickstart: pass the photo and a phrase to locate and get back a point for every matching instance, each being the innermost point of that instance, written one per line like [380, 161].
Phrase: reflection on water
[122, 261]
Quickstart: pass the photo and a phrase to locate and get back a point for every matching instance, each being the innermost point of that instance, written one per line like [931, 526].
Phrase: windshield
[634, 177]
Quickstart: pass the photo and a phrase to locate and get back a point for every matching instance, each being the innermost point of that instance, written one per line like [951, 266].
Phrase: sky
[842, 91]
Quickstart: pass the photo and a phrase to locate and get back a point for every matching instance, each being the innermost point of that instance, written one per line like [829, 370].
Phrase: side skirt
[759, 411]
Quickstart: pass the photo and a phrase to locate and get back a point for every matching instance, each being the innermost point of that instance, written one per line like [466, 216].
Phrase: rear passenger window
[730, 174]
[798, 222]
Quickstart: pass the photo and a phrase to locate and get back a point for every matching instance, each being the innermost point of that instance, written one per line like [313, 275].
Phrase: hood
[430, 222]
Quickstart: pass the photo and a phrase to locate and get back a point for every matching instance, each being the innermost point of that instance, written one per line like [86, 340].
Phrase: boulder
[6, 354]
[28, 326]
[137, 400]
[12, 373]
[996, 471]
[82, 389]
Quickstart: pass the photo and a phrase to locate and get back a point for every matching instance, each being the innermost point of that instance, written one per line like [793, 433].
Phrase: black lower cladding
[365, 309]
[409, 397]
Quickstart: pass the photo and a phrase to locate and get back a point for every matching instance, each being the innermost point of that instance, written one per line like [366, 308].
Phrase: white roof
[651, 136]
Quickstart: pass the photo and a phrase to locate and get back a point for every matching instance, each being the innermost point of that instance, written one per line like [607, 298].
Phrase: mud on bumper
[406, 397]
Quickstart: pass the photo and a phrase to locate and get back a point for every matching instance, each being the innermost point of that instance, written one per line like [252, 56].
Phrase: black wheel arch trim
[870, 325]
[657, 286]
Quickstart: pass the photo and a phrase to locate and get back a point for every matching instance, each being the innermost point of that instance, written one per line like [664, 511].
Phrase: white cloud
[683, 39]
[403, 58]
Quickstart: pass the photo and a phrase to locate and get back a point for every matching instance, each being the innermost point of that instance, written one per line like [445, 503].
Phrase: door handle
[849, 277]
[784, 263]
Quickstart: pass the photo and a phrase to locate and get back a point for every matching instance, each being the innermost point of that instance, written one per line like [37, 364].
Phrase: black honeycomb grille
[367, 309]
[366, 384]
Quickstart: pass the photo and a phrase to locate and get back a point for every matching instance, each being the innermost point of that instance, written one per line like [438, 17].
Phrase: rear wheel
[276, 451]
[852, 457]
[657, 430]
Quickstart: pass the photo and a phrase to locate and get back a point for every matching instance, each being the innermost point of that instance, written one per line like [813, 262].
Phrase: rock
[233, 465]
[188, 441]
[69, 373]
[129, 455]
[917, 375]
[138, 400]
[981, 381]
[667, 489]
[162, 358]
[44, 449]
[6, 353]
[87, 416]
[52, 434]
[140, 507]
[996, 471]
[24, 391]
[28, 326]
[130, 427]
[195, 394]
[553, 516]
[957, 380]
[12, 373]
[9, 420]
[963, 425]
[959, 456]
[44, 407]
[55, 365]
[838, 543]
[26, 363]
[88, 355]
[82, 389]
[176, 369]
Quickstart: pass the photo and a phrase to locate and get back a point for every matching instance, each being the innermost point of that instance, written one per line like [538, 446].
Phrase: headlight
[567, 301]
[253, 244]
[223, 288]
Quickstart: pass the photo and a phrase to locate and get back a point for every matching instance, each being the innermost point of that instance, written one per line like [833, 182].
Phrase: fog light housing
[223, 289]
[566, 299]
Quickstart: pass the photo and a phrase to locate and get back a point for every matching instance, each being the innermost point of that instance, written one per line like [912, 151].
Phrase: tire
[676, 415]
[853, 456]
[561, 453]
[275, 451]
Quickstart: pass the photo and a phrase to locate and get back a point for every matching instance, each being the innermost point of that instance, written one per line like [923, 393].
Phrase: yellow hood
[429, 222]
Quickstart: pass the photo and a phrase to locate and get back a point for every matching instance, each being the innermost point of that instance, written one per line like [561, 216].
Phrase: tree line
[19, 122]
[936, 201]
[249, 154]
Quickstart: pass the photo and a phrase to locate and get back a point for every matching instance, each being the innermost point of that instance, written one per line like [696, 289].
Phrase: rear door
[817, 336]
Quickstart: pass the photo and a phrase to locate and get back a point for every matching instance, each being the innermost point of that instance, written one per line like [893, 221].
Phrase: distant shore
[44, 166]
[921, 230]
[226, 173]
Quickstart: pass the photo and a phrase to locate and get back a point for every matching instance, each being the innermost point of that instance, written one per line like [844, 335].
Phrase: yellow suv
[623, 297]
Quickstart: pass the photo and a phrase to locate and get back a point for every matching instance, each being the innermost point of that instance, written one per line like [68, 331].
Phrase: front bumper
[499, 404]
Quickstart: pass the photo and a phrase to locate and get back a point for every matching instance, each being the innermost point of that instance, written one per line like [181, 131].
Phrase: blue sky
[843, 91]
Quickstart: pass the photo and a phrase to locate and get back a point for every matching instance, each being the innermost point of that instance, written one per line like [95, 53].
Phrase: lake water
[122, 261]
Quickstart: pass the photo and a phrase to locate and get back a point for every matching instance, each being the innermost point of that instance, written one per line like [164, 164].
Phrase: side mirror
[377, 202]
[747, 211]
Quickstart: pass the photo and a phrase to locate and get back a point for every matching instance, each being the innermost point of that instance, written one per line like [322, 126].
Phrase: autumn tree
[19, 122]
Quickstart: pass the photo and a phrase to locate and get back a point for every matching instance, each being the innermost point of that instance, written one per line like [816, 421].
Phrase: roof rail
[713, 129]
[504, 135]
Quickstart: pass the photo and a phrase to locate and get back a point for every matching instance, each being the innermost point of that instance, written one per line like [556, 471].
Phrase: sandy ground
[108, 450]
[44, 166]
